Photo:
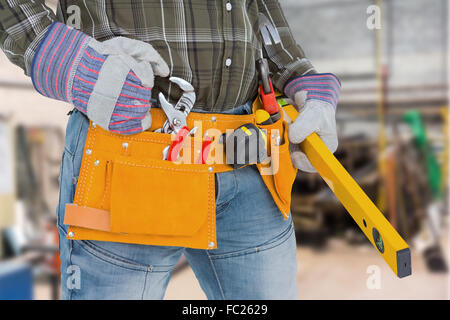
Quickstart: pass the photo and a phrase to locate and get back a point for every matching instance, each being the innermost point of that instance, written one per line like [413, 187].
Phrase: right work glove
[110, 82]
[316, 97]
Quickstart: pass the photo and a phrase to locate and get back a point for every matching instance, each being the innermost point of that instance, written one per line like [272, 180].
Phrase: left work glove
[315, 98]
[110, 82]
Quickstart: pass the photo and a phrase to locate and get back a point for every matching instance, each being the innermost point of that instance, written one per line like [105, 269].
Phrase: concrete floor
[340, 271]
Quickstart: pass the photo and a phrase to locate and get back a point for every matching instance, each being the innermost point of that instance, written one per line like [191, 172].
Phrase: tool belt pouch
[278, 173]
[127, 193]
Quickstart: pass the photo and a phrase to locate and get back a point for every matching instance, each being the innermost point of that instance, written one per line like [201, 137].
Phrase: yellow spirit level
[394, 250]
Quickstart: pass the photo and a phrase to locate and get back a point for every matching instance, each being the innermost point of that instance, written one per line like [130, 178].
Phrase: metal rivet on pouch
[125, 145]
[71, 234]
[94, 125]
[211, 244]
[96, 163]
[88, 152]
[213, 119]
[210, 169]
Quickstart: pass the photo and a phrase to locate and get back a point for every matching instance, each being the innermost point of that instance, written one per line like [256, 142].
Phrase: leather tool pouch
[164, 198]
[278, 174]
[127, 193]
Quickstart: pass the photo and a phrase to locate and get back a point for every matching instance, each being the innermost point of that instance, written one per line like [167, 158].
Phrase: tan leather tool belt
[126, 192]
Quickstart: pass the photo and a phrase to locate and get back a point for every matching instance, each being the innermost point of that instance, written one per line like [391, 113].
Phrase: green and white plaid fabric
[212, 44]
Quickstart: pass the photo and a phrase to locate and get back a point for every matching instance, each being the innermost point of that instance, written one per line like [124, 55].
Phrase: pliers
[176, 118]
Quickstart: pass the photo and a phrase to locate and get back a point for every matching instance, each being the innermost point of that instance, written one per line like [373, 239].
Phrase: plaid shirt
[212, 44]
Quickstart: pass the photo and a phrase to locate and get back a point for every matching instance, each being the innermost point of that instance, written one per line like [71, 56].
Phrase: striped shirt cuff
[322, 86]
[56, 57]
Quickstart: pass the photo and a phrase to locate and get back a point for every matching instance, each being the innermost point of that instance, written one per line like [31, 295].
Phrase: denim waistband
[243, 109]
[246, 108]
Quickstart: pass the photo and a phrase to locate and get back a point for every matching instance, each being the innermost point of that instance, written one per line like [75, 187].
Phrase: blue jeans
[255, 258]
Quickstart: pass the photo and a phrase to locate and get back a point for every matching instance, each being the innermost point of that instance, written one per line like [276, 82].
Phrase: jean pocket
[226, 188]
[96, 250]
[273, 242]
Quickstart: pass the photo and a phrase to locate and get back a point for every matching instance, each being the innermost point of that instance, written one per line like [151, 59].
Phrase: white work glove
[315, 98]
[110, 82]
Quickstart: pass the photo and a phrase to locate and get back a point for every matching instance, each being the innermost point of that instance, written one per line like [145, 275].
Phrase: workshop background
[393, 132]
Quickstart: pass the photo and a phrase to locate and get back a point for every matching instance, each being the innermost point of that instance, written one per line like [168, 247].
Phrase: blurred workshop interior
[393, 139]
